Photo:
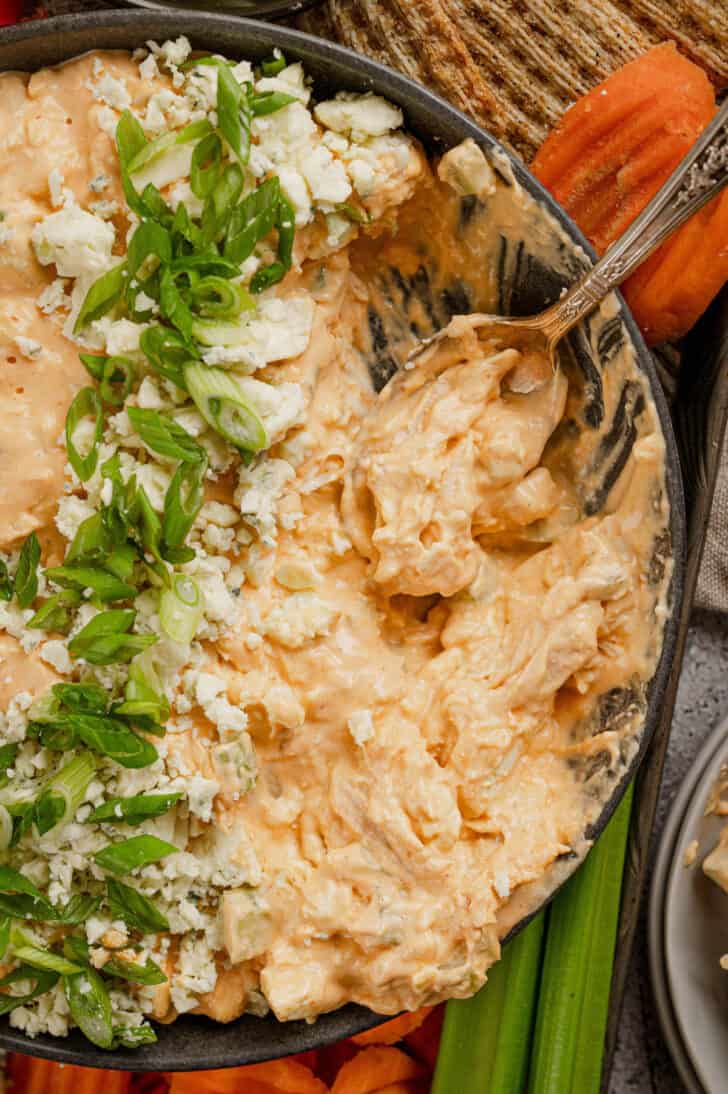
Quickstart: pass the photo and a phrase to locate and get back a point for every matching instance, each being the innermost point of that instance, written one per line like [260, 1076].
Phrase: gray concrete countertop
[642, 1064]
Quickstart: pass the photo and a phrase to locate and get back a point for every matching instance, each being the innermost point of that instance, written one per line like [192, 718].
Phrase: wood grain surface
[515, 65]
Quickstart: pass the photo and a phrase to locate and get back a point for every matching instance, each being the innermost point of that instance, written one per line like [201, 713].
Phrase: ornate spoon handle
[701, 175]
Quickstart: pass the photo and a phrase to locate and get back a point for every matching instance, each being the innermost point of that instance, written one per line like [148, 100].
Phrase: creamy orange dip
[429, 614]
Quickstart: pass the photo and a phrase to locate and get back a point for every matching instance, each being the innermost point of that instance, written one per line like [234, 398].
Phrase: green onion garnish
[275, 65]
[164, 436]
[26, 574]
[217, 298]
[195, 131]
[206, 166]
[105, 639]
[64, 793]
[104, 586]
[252, 220]
[43, 981]
[6, 582]
[90, 1006]
[86, 404]
[181, 609]
[233, 113]
[168, 352]
[20, 898]
[222, 403]
[134, 810]
[102, 296]
[182, 503]
[133, 853]
[56, 613]
[136, 910]
[268, 102]
[148, 973]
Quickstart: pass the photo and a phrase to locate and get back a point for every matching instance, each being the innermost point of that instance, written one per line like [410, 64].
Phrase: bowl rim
[257, 36]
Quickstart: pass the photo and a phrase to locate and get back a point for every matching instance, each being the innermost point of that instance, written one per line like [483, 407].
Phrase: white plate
[688, 932]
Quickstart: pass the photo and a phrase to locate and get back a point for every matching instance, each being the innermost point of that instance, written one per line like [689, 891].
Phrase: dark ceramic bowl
[251, 9]
[526, 285]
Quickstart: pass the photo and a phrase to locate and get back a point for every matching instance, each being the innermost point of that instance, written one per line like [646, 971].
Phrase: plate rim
[666, 863]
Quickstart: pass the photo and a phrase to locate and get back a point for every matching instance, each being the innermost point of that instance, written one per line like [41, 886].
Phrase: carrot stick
[609, 155]
[375, 1068]
[396, 1030]
[285, 1076]
[31, 1076]
[425, 1041]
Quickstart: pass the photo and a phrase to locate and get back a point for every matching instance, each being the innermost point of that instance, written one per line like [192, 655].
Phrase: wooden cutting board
[516, 65]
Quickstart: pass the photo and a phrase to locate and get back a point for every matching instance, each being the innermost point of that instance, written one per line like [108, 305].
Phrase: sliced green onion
[204, 264]
[276, 271]
[164, 436]
[134, 810]
[353, 212]
[45, 959]
[133, 853]
[102, 296]
[275, 65]
[136, 910]
[130, 140]
[182, 503]
[150, 244]
[153, 149]
[148, 973]
[268, 102]
[220, 203]
[181, 609]
[215, 297]
[78, 909]
[155, 206]
[105, 586]
[92, 541]
[252, 220]
[143, 697]
[172, 304]
[57, 612]
[133, 1036]
[90, 1006]
[105, 639]
[8, 754]
[26, 574]
[222, 403]
[206, 165]
[20, 898]
[168, 352]
[215, 332]
[233, 113]
[42, 979]
[69, 786]
[6, 582]
[80, 698]
[114, 739]
[6, 828]
[86, 404]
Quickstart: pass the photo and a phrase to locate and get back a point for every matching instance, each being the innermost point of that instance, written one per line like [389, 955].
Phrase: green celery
[573, 1003]
[485, 1040]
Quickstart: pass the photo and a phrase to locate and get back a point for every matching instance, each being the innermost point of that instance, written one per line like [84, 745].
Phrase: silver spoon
[701, 175]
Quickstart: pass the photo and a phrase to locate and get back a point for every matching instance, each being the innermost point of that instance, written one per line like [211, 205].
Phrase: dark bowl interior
[527, 286]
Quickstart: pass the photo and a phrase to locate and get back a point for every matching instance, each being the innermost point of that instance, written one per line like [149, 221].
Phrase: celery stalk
[573, 1003]
[485, 1040]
